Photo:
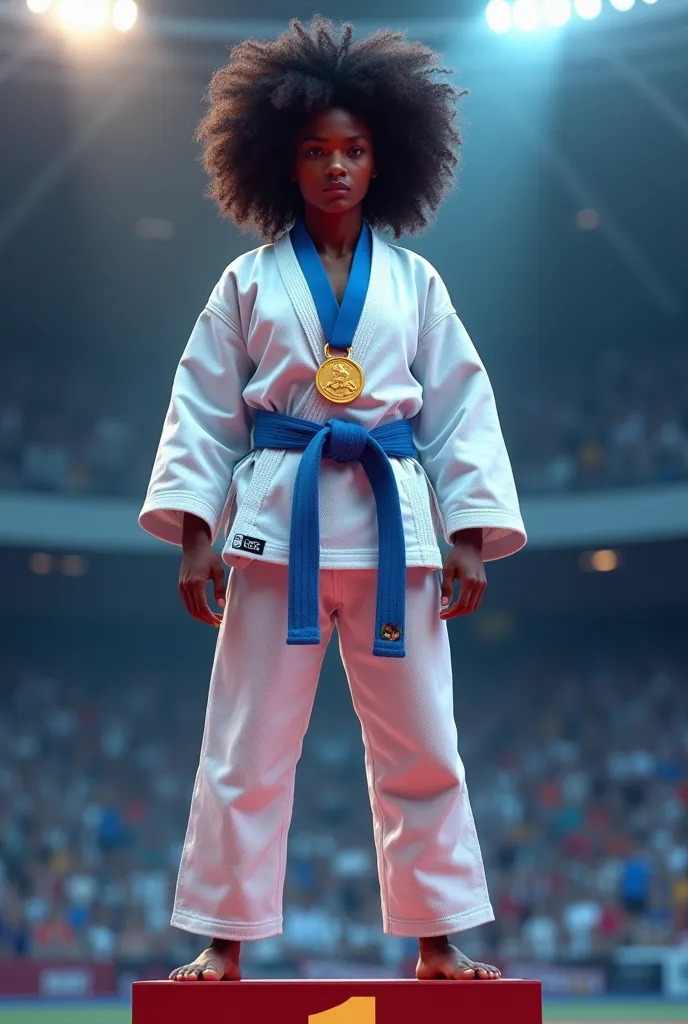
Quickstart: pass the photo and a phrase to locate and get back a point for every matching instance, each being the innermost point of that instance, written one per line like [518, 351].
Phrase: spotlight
[556, 12]
[498, 16]
[526, 15]
[124, 15]
[38, 6]
[588, 9]
[83, 15]
[622, 5]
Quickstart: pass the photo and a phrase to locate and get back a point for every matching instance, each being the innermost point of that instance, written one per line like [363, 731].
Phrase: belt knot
[346, 442]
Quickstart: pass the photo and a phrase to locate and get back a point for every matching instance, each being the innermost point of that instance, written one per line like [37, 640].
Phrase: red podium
[338, 1002]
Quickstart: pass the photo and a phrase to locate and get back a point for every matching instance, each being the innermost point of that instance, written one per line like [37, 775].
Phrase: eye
[314, 151]
[356, 151]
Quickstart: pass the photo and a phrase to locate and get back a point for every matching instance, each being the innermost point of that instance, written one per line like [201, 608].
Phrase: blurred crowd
[577, 768]
[619, 421]
[64, 429]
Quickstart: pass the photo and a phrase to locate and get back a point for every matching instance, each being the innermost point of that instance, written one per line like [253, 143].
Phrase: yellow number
[356, 1010]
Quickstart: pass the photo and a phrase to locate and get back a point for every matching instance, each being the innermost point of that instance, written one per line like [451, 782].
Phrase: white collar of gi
[304, 306]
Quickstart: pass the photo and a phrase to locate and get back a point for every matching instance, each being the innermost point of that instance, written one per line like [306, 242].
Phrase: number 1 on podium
[356, 1010]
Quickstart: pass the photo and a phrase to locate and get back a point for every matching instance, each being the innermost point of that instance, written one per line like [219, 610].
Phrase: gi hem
[236, 931]
[460, 922]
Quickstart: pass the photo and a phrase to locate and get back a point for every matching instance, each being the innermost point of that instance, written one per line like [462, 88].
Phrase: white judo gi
[257, 345]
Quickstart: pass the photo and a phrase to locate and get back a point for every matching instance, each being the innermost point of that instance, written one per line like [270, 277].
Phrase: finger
[184, 593]
[203, 610]
[462, 602]
[447, 585]
[191, 589]
[477, 598]
[471, 600]
[218, 584]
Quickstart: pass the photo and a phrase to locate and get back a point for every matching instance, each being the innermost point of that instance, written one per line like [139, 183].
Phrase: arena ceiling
[568, 228]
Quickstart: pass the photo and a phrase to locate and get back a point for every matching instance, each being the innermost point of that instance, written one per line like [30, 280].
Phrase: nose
[336, 168]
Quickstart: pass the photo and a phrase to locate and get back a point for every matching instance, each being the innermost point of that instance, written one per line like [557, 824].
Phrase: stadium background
[564, 250]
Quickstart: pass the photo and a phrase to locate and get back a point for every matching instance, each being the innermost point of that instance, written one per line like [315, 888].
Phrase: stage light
[73, 565]
[605, 560]
[39, 6]
[556, 12]
[498, 16]
[83, 15]
[124, 15]
[650, 1]
[588, 9]
[41, 563]
[622, 5]
[526, 15]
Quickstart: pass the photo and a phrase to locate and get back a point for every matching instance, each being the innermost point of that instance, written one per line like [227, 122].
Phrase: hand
[200, 563]
[465, 563]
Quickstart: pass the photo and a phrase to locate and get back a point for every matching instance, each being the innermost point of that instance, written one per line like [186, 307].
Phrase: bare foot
[439, 959]
[220, 962]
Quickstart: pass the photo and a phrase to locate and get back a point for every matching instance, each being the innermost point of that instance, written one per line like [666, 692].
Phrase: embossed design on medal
[339, 379]
[390, 632]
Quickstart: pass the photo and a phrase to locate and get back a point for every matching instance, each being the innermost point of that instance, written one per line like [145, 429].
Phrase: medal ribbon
[339, 323]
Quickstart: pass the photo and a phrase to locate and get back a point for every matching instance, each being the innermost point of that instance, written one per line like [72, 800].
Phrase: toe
[212, 969]
[486, 971]
[463, 973]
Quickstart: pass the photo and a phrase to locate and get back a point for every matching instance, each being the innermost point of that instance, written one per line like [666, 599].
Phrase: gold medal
[339, 378]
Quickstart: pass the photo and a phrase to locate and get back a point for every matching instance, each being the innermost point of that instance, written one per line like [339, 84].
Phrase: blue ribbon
[345, 442]
[338, 323]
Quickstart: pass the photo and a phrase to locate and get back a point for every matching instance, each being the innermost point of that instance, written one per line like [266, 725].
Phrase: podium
[507, 1001]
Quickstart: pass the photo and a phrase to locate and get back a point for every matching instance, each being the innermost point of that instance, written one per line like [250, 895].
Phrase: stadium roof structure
[568, 227]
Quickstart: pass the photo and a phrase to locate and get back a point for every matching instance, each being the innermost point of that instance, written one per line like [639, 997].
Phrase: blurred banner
[561, 979]
[55, 979]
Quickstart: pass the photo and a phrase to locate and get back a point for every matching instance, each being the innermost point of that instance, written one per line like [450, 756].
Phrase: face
[334, 149]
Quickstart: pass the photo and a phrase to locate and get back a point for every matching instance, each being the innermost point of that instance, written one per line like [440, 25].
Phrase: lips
[339, 187]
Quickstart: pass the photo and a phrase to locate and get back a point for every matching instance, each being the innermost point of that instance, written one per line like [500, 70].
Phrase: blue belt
[345, 442]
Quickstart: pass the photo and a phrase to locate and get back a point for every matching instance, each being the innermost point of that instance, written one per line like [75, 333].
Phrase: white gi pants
[231, 876]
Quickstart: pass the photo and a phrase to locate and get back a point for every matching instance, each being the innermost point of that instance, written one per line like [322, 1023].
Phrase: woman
[331, 415]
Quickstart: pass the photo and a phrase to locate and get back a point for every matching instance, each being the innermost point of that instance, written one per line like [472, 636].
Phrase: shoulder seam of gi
[221, 314]
[438, 317]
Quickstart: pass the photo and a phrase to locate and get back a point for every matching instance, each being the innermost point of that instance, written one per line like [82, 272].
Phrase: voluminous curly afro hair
[261, 99]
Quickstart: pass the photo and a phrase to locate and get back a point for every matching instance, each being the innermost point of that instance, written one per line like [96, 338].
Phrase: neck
[334, 235]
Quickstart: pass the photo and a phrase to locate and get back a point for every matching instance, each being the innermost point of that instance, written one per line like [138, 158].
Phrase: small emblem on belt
[388, 632]
[244, 543]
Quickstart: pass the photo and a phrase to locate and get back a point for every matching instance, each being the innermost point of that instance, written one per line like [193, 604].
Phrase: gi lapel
[304, 307]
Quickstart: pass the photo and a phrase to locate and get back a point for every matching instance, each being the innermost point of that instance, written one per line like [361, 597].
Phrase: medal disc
[339, 378]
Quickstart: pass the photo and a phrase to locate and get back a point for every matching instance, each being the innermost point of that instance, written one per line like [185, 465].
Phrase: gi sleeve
[207, 429]
[458, 435]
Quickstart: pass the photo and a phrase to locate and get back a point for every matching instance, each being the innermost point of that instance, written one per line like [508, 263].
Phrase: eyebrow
[320, 138]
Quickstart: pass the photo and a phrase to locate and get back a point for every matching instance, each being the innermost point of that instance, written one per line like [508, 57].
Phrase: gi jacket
[258, 343]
